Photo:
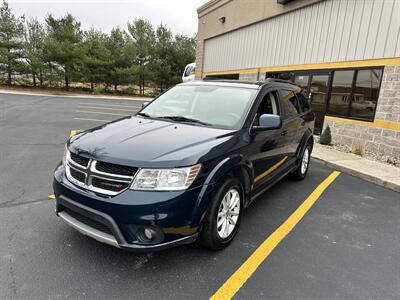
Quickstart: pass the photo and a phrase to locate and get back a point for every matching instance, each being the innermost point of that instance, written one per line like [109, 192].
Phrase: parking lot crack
[11, 269]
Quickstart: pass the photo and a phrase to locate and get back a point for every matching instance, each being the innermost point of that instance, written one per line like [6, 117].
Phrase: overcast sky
[179, 15]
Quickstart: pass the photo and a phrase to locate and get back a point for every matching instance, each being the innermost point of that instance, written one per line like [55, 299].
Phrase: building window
[302, 81]
[339, 101]
[224, 76]
[365, 94]
[281, 75]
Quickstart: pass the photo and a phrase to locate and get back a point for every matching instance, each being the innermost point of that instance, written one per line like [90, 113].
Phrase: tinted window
[365, 94]
[189, 71]
[290, 104]
[341, 91]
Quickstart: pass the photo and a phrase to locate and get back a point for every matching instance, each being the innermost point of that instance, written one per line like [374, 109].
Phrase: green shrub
[326, 137]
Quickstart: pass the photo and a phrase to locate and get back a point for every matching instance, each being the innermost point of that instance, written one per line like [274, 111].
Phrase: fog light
[149, 233]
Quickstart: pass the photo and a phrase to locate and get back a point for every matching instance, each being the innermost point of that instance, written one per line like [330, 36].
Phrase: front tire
[223, 217]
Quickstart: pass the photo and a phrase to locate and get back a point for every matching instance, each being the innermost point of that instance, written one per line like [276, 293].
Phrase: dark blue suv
[184, 167]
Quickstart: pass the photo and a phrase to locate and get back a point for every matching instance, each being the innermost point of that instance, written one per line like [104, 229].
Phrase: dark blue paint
[142, 142]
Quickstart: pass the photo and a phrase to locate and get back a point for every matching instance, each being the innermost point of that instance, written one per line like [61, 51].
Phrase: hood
[141, 142]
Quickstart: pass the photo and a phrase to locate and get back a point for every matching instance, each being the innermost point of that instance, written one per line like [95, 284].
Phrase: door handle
[284, 132]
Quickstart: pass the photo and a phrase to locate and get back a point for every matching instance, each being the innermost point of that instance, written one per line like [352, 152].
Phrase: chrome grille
[100, 177]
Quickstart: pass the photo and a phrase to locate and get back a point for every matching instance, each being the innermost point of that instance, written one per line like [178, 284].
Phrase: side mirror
[268, 122]
[144, 104]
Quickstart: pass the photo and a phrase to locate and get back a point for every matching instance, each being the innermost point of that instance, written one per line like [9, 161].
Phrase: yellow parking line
[52, 197]
[241, 275]
[99, 112]
[72, 133]
[112, 105]
[105, 108]
[94, 120]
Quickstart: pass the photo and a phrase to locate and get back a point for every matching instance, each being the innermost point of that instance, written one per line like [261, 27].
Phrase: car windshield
[215, 106]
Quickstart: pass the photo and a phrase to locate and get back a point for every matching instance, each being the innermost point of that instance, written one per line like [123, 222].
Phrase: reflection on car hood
[152, 143]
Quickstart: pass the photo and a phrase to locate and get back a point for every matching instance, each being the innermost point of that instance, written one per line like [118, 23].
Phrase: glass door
[318, 92]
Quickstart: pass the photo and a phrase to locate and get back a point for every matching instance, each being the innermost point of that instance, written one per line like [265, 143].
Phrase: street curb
[387, 184]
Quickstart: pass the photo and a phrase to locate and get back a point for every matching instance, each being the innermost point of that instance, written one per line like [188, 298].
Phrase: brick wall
[371, 139]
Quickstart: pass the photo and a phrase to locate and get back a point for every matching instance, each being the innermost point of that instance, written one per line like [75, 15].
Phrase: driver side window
[268, 105]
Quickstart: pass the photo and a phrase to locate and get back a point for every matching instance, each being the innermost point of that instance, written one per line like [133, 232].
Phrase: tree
[97, 59]
[63, 46]
[161, 65]
[33, 49]
[142, 33]
[11, 41]
[122, 55]
[184, 53]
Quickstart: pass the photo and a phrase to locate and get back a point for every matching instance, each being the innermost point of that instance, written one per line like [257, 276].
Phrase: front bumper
[115, 238]
[176, 215]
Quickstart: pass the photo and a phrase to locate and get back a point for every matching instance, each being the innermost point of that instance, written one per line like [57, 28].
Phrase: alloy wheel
[228, 213]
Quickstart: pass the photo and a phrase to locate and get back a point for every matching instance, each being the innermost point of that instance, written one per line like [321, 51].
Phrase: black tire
[300, 173]
[209, 236]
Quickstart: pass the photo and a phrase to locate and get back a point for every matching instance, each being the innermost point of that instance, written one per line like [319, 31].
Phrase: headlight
[64, 158]
[165, 179]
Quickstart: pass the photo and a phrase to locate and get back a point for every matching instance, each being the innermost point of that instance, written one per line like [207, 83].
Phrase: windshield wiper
[143, 115]
[185, 120]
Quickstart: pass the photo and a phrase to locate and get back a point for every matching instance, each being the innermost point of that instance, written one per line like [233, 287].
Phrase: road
[345, 247]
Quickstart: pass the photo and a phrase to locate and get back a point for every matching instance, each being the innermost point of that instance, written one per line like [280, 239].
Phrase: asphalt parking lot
[347, 246]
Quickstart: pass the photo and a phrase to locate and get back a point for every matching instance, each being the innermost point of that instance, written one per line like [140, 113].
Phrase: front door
[267, 150]
[318, 92]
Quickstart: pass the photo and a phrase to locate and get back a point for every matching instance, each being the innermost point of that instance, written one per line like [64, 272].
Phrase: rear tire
[302, 169]
[223, 217]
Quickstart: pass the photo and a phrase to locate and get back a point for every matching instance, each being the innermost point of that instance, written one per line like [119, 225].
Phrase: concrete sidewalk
[375, 172]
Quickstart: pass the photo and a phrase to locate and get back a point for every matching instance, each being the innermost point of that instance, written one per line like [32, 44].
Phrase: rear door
[292, 123]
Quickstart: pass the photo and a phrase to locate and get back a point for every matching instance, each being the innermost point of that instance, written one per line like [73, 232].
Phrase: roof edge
[206, 5]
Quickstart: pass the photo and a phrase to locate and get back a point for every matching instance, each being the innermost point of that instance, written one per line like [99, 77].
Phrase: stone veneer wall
[371, 139]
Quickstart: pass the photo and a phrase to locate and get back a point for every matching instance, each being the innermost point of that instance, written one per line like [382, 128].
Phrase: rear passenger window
[290, 103]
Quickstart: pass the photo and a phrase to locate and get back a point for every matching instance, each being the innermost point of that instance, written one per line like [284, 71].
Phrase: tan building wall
[237, 13]
[380, 137]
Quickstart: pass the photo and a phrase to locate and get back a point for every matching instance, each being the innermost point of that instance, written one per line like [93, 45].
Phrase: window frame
[261, 95]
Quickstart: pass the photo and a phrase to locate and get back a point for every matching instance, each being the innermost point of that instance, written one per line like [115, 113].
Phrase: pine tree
[11, 42]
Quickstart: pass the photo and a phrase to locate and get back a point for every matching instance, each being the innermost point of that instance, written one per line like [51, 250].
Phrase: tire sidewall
[224, 188]
[303, 175]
